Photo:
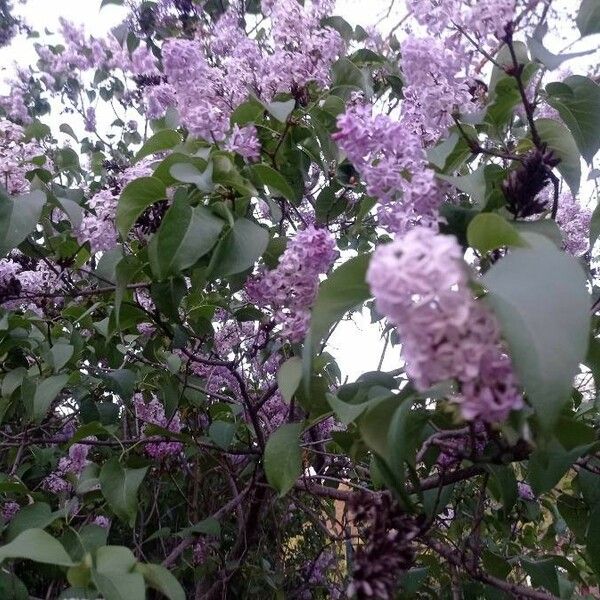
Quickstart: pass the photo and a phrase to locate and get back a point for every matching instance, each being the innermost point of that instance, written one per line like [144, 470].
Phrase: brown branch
[187, 542]
[516, 71]
[513, 589]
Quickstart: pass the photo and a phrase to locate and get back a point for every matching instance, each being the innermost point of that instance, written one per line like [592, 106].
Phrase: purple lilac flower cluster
[391, 160]
[9, 510]
[483, 20]
[16, 155]
[98, 226]
[434, 87]
[153, 413]
[316, 574]
[291, 287]
[22, 279]
[421, 284]
[207, 77]
[574, 221]
[72, 464]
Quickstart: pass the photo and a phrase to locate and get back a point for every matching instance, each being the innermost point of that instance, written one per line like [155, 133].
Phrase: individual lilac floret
[291, 288]
[420, 283]
[153, 413]
[525, 492]
[102, 521]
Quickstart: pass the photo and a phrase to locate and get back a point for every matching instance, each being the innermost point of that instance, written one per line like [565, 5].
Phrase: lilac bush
[195, 205]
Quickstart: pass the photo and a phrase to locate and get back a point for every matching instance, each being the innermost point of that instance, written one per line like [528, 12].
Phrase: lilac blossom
[16, 155]
[98, 228]
[420, 283]
[244, 141]
[90, 119]
[574, 221]
[9, 510]
[102, 521]
[390, 158]
[290, 288]
[484, 21]
[434, 89]
[153, 413]
[525, 492]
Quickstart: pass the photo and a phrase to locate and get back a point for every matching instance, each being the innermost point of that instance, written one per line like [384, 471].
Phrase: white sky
[356, 344]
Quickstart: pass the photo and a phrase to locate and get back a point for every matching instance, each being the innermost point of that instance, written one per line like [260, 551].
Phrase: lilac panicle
[421, 285]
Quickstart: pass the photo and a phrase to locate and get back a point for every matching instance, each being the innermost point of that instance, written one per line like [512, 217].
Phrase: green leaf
[188, 173]
[546, 227]
[340, 25]
[542, 573]
[539, 295]
[18, 218]
[185, 235]
[161, 579]
[122, 382]
[452, 152]
[576, 515]
[577, 100]
[473, 184]
[239, 250]
[547, 58]
[375, 423]
[208, 526]
[135, 198]
[274, 180]
[588, 18]
[342, 291]
[12, 588]
[593, 540]
[120, 586]
[283, 461]
[165, 139]
[37, 545]
[73, 210]
[115, 559]
[126, 269]
[281, 110]
[248, 112]
[45, 393]
[405, 435]
[490, 231]
[347, 412]
[595, 226]
[67, 129]
[167, 295]
[59, 355]
[560, 140]
[221, 433]
[37, 515]
[548, 464]
[119, 486]
[503, 476]
[289, 377]
[348, 78]
[67, 160]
